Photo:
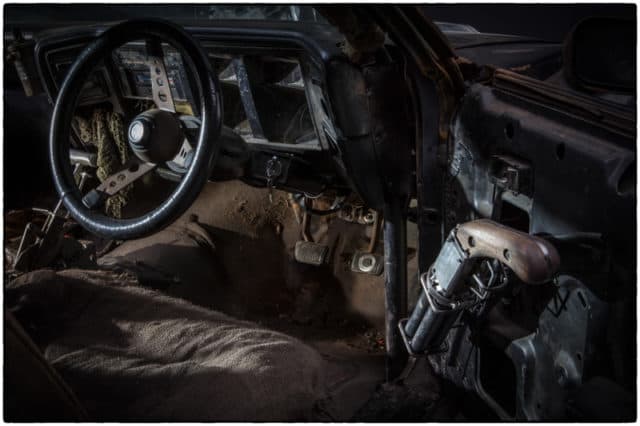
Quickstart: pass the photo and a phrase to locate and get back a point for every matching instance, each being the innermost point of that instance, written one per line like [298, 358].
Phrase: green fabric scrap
[105, 130]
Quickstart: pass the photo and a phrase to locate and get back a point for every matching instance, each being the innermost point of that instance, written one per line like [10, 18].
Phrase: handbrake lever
[532, 259]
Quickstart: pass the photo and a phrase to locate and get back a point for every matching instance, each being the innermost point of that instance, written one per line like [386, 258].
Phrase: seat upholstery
[131, 353]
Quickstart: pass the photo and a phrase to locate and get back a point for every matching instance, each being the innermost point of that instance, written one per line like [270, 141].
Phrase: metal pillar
[395, 285]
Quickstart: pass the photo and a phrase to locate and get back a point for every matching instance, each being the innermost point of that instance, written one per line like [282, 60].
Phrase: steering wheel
[155, 136]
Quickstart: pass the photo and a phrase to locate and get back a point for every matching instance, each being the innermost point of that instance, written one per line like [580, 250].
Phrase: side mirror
[600, 55]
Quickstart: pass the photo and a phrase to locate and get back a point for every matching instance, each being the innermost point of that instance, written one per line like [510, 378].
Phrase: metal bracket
[244, 86]
[401, 326]
[454, 304]
[511, 174]
[38, 247]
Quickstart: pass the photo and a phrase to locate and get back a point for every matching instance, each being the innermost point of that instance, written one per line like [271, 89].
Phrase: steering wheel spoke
[160, 87]
[115, 183]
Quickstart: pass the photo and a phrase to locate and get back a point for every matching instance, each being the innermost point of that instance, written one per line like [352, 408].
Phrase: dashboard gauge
[131, 62]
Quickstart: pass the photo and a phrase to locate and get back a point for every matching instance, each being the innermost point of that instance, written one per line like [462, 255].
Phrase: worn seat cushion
[131, 353]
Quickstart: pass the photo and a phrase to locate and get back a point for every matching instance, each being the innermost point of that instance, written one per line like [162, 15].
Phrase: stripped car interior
[328, 213]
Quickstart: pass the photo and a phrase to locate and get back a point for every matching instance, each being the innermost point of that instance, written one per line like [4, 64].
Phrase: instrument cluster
[135, 77]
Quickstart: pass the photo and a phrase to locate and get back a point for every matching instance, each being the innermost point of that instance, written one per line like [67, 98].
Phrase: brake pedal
[310, 253]
[367, 263]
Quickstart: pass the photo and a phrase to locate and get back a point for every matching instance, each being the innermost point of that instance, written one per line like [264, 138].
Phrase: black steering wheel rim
[208, 100]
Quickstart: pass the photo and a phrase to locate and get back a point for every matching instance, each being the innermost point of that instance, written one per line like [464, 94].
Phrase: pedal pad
[310, 253]
[367, 263]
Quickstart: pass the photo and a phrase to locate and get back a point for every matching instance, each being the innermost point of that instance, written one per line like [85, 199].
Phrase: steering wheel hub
[155, 136]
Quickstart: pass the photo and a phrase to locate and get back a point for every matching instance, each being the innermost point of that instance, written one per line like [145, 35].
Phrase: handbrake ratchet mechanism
[449, 286]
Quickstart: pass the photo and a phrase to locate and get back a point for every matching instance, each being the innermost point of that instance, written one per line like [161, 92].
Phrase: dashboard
[313, 118]
[273, 87]
[291, 97]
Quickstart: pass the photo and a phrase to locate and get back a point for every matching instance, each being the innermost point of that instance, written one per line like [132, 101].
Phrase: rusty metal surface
[431, 53]
[416, 34]
[362, 35]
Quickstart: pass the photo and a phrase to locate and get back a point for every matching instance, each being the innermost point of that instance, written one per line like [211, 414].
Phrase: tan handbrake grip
[533, 259]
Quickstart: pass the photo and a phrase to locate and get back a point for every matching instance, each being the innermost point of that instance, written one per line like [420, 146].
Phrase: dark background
[545, 21]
